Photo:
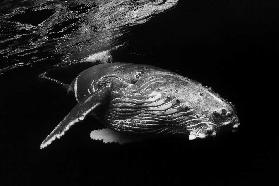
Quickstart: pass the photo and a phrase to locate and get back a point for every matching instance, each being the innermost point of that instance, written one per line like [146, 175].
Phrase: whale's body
[141, 99]
[74, 31]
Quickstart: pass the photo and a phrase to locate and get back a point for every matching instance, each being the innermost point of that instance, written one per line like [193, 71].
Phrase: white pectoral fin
[110, 136]
[78, 113]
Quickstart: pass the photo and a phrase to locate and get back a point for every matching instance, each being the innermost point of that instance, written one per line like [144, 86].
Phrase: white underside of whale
[110, 136]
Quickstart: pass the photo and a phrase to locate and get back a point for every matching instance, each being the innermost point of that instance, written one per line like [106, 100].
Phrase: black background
[227, 45]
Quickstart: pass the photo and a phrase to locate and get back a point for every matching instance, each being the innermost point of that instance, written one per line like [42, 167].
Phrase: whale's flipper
[78, 113]
[107, 135]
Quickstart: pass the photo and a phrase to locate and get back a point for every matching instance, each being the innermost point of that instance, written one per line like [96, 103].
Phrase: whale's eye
[177, 102]
[138, 75]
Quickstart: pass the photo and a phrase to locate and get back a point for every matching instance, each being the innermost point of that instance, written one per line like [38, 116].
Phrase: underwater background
[226, 45]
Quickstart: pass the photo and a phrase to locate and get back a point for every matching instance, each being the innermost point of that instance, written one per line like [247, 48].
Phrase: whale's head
[210, 112]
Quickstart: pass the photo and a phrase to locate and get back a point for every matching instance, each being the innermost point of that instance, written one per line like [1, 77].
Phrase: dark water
[226, 45]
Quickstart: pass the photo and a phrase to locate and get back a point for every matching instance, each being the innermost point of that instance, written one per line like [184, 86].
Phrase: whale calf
[138, 99]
